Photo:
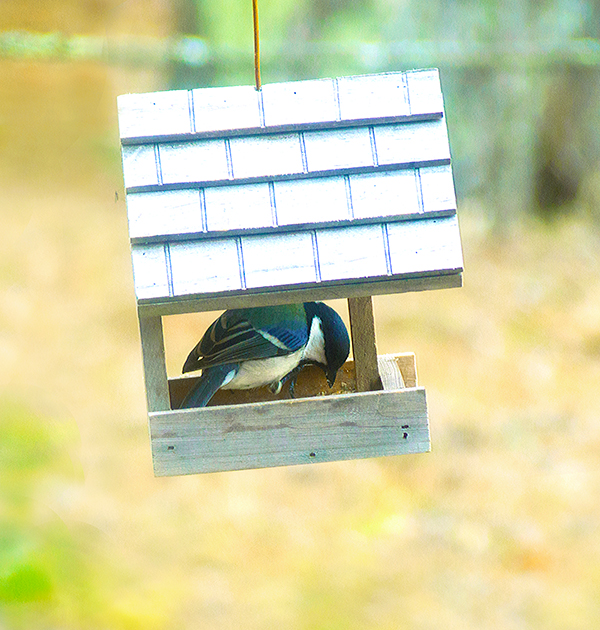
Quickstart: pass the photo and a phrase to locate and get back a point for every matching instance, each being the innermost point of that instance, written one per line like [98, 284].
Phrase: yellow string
[256, 46]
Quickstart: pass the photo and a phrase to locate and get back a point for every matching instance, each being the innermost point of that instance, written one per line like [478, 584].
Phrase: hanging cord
[256, 46]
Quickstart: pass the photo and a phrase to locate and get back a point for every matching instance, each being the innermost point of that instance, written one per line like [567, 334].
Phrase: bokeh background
[497, 528]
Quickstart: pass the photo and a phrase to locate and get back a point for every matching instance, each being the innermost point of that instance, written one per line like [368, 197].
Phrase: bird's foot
[276, 387]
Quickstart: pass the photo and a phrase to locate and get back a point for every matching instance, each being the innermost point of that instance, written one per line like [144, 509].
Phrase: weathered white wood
[373, 96]
[412, 144]
[139, 166]
[154, 114]
[425, 93]
[292, 202]
[266, 156]
[390, 193]
[257, 435]
[150, 273]
[166, 213]
[351, 252]
[338, 148]
[280, 258]
[299, 202]
[238, 207]
[288, 259]
[193, 161]
[208, 302]
[244, 181]
[406, 363]
[299, 102]
[306, 201]
[393, 95]
[153, 356]
[421, 246]
[390, 369]
[226, 108]
[437, 188]
[287, 155]
[208, 266]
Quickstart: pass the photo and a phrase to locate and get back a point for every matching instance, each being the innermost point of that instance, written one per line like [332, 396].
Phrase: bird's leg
[293, 375]
[276, 386]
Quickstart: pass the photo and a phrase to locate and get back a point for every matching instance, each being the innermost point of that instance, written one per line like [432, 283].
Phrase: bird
[251, 347]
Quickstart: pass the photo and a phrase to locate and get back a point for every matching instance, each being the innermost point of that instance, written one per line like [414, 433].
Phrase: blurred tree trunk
[568, 145]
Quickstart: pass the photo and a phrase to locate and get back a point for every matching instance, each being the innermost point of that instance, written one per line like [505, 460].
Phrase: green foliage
[51, 574]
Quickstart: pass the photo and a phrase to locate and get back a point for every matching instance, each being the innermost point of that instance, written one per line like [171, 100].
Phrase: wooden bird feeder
[310, 190]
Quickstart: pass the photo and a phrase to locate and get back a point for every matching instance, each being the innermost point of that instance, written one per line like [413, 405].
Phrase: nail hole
[405, 435]
[170, 448]
[312, 454]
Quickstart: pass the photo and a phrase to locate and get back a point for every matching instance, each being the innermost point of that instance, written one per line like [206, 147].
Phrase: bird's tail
[212, 378]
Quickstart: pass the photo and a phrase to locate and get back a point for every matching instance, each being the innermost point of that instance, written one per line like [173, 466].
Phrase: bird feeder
[309, 190]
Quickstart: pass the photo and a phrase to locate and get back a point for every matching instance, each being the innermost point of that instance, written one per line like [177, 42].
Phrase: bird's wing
[243, 334]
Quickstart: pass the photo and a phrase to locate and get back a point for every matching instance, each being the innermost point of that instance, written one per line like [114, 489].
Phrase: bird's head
[334, 343]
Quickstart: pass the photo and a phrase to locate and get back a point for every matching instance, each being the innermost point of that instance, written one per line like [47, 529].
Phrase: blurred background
[497, 528]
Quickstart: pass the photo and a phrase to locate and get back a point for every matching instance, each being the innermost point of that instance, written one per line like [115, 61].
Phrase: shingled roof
[233, 191]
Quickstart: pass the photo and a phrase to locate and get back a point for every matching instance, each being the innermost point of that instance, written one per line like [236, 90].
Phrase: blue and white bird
[250, 347]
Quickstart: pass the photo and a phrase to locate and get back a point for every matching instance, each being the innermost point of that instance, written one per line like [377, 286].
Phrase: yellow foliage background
[496, 528]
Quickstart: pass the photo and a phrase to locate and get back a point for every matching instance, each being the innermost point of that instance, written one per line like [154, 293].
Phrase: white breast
[263, 371]
[315, 348]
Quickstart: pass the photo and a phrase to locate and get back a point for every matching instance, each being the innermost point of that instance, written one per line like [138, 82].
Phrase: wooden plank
[390, 369]
[421, 246]
[286, 260]
[365, 198]
[449, 280]
[153, 356]
[407, 365]
[356, 251]
[298, 102]
[214, 266]
[240, 109]
[238, 207]
[437, 188]
[373, 96]
[154, 114]
[336, 149]
[185, 162]
[412, 144]
[265, 156]
[165, 213]
[139, 166]
[236, 437]
[276, 156]
[425, 92]
[310, 201]
[225, 108]
[364, 349]
[272, 260]
[150, 275]
[384, 194]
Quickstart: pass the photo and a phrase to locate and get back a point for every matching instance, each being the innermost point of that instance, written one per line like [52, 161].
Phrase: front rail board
[283, 432]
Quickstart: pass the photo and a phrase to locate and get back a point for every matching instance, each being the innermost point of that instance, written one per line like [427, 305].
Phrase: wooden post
[362, 329]
[155, 369]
